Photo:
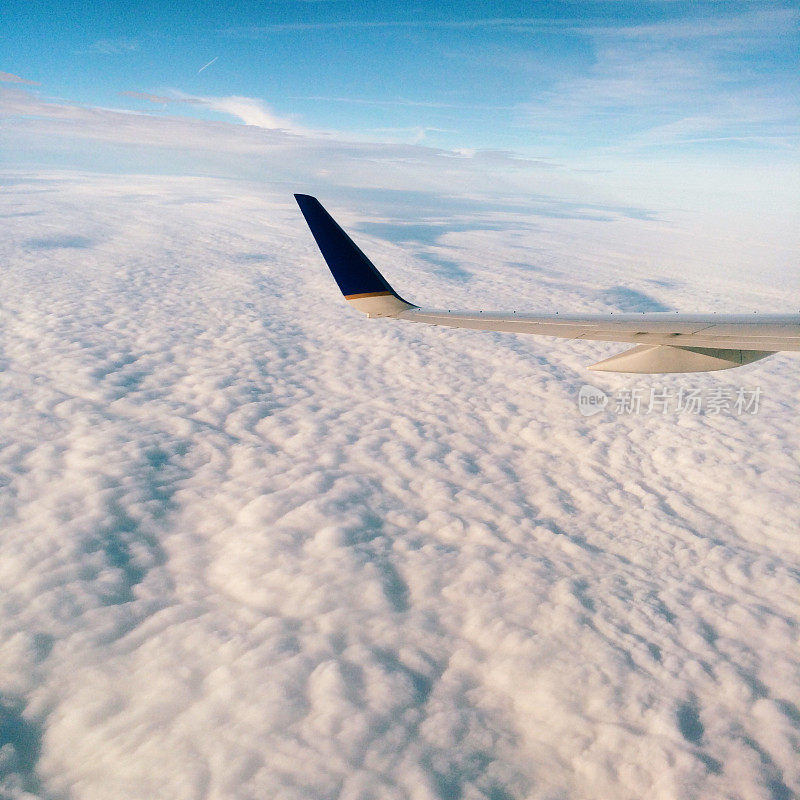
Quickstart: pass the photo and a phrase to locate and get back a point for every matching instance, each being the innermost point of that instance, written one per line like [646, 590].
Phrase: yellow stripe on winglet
[367, 294]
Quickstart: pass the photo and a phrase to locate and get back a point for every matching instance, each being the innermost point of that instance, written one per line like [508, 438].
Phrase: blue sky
[659, 97]
[547, 79]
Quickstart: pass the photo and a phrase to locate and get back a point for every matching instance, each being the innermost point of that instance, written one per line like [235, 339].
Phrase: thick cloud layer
[256, 545]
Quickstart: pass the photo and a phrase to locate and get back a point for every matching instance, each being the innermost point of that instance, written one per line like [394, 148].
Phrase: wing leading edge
[665, 341]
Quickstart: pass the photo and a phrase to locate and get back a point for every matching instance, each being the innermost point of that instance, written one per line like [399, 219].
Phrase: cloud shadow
[631, 300]
[60, 241]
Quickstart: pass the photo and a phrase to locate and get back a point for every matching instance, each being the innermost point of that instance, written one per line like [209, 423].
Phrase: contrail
[207, 65]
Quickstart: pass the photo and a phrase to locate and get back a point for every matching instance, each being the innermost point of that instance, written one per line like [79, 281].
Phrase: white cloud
[750, 26]
[249, 110]
[647, 83]
[8, 77]
[635, 88]
[161, 99]
[257, 545]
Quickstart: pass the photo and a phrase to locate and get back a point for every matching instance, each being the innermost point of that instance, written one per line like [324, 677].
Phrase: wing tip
[357, 277]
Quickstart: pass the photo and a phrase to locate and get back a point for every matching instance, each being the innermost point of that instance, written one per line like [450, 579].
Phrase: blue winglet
[355, 274]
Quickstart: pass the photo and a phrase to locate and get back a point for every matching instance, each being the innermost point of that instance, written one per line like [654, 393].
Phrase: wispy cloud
[651, 86]
[508, 23]
[756, 118]
[250, 110]
[750, 24]
[414, 134]
[156, 98]
[716, 25]
[111, 47]
[361, 101]
[7, 77]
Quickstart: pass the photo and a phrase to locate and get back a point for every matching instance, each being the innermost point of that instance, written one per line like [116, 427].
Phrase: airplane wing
[664, 341]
